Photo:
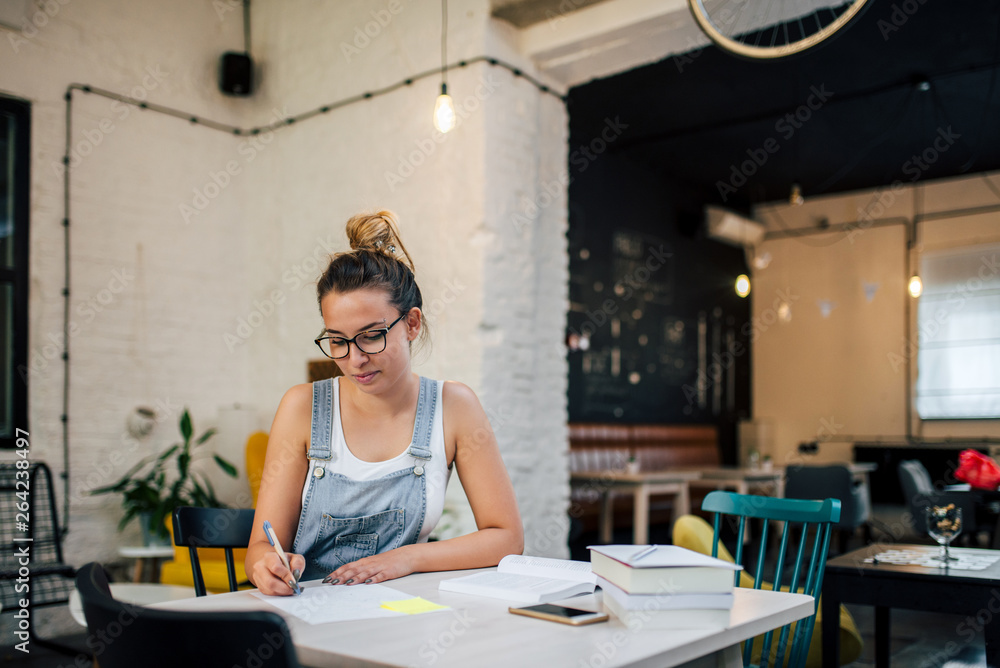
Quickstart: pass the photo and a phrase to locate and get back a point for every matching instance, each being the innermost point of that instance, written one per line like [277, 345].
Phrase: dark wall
[656, 300]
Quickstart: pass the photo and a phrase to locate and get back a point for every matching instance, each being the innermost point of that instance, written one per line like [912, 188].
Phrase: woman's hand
[377, 568]
[271, 576]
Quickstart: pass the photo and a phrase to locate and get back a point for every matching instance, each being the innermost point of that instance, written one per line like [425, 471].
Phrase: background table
[848, 579]
[743, 479]
[479, 632]
[641, 486]
[154, 554]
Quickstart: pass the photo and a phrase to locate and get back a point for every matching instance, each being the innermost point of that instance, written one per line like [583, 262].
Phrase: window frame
[17, 275]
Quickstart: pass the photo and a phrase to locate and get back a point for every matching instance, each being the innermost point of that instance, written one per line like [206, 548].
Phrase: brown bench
[597, 446]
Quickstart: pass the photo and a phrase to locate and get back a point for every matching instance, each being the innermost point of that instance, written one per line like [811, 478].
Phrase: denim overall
[344, 520]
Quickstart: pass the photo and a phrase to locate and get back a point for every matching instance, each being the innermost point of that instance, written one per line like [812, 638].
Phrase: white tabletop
[137, 594]
[479, 631]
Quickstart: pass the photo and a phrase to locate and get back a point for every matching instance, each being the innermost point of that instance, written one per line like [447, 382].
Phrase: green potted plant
[150, 491]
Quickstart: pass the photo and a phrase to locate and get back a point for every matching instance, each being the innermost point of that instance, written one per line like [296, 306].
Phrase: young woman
[356, 467]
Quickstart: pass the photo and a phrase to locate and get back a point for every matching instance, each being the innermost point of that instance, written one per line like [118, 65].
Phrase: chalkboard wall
[656, 332]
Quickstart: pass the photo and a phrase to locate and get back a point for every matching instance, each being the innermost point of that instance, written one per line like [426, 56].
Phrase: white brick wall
[170, 335]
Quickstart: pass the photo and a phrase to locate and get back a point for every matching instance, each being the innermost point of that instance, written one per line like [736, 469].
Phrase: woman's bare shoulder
[457, 392]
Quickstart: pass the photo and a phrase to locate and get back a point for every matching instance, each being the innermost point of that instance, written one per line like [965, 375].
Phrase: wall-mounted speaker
[236, 74]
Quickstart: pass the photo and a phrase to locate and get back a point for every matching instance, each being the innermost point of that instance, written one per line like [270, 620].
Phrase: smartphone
[561, 614]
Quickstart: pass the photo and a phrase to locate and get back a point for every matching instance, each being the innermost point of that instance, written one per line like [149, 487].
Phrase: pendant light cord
[444, 45]
[246, 27]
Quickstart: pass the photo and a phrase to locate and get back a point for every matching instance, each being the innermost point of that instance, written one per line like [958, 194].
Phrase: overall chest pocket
[343, 540]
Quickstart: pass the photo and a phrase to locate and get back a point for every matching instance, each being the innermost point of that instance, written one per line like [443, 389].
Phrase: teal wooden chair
[812, 522]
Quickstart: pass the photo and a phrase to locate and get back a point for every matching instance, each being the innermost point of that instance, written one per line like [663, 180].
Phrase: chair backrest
[809, 517]
[256, 450]
[914, 479]
[212, 527]
[125, 636]
[834, 481]
[26, 494]
[917, 490]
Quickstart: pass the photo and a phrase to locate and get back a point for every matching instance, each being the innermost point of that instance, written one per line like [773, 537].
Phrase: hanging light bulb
[742, 285]
[795, 198]
[444, 111]
[915, 286]
[444, 107]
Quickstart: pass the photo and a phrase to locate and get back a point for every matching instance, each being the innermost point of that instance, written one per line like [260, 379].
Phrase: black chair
[919, 492]
[227, 528]
[28, 491]
[834, 482]
[126, 636]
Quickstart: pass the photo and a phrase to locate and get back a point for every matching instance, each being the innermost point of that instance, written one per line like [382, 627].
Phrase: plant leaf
[167, 453]
[226, 466]
[207, 435]
[186, 429]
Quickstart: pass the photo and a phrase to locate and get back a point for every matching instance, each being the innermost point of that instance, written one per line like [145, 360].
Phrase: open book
[527, 580]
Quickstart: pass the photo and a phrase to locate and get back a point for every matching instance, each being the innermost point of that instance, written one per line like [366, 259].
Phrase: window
[958, 320]
[14, 133]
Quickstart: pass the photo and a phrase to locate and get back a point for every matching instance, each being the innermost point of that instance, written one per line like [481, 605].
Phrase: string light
[742, 285]
[795, 198]
[915, 286]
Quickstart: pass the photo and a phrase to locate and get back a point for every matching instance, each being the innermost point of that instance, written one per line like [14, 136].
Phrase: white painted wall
[217, 308]
[839, 377]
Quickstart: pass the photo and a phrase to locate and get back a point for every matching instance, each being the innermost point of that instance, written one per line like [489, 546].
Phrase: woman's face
[347, 314]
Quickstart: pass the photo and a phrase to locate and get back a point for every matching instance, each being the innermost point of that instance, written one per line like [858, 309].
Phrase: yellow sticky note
[412, 606]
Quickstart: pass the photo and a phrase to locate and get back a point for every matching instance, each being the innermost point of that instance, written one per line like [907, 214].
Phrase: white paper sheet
[321, 603]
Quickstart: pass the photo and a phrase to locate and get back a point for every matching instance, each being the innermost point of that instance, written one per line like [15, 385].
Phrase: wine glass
[943, 524]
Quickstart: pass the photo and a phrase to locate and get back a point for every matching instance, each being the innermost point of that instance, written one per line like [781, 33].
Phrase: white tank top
[437, 471]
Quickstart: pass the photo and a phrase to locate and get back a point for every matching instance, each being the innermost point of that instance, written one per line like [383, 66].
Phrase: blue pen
[272, 538]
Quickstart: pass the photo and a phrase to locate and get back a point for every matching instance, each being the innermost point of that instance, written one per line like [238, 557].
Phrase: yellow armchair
[694, 533]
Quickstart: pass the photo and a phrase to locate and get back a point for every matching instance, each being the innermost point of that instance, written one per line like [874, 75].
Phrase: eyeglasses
[370, 342]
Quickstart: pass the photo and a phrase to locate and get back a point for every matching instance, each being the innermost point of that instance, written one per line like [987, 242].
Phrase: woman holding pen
[357, 466]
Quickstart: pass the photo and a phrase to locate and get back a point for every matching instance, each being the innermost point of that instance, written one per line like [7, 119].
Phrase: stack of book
[664, 585]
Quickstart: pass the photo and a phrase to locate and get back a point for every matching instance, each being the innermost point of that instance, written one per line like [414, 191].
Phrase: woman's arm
[280, 498]
[490, 493]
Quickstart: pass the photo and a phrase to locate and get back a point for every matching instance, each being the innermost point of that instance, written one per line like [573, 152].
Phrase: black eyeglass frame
[353, 339]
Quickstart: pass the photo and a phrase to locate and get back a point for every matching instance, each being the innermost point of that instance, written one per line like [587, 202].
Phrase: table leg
[640, 516]
[883, 636]
[607, 516]
[137, 572]
[682, 501]
[992, 633]
[831, 632]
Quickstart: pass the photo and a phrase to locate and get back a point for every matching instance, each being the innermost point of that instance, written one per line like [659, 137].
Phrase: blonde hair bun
[378, 233]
